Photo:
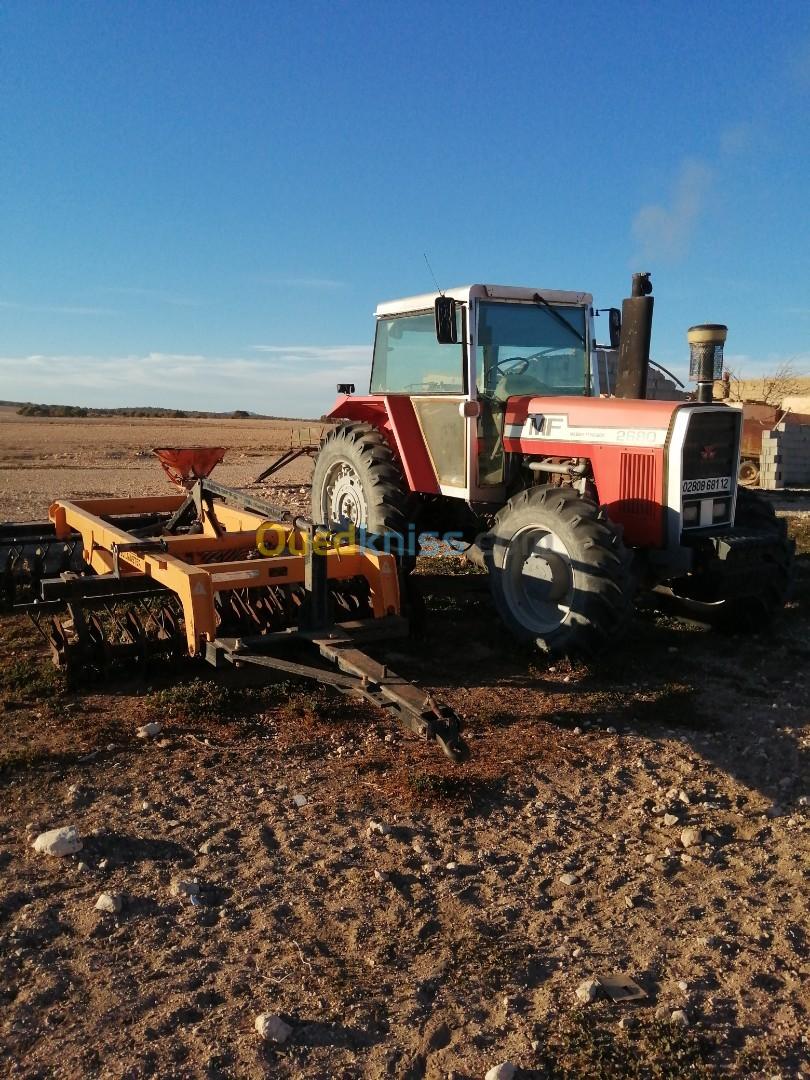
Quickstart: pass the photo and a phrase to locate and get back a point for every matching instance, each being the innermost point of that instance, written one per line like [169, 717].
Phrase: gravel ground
[407, 917]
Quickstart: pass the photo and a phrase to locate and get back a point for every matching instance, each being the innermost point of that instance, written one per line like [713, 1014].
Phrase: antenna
[439, 290]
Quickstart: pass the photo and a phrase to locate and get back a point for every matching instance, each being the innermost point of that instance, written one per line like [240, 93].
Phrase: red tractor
[485, 419]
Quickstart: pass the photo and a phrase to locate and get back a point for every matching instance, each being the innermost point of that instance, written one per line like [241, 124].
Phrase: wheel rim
[748, 473]
[538, 579]
[344, 501]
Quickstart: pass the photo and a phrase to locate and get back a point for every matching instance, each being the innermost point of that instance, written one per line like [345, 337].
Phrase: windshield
[531, 349]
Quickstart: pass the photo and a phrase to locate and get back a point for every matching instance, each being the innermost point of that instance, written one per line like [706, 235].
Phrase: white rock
[691, 835]
[83, 868]
[110, 902]
[505, 1071]
[670, 820]
[611, 730]
[683, 985]
[184, 887]
[64, 841]
[378, 828]
[380, 875]
[272, 1028]
[150, 730]
[680, 1018]
[588, 991]
[568, 879]
[300, 800]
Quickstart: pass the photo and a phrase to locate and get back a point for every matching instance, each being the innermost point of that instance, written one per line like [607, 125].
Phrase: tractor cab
[461, 357]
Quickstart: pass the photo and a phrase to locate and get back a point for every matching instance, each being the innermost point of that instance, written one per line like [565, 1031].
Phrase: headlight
[720, 509]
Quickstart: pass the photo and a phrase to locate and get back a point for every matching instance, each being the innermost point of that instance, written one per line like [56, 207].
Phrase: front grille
[710, 447]
[637, 484]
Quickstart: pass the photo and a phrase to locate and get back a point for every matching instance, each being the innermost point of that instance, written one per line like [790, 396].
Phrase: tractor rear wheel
[559, 572]
[357, 482]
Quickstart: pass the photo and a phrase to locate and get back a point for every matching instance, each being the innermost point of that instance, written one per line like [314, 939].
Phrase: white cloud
[289, 381]
[664, 232]
[152, 294]
[56, 309]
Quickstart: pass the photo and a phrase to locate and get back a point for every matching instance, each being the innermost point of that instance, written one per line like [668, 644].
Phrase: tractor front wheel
[357, 482]
[559, 572]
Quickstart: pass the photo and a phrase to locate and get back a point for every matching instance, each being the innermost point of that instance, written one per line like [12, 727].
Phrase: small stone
[452, 866]
[64, 841]
[378, 828]
[505, 1071]
[83, 868]
[691, 836]
[577, 730]
[680, 1018]
[185, 887]
[569, 879]
[380, 875]
[272, 1028]
[670, 820]
[629, 902]
[611, 730]
[649, 859]
[150, 730]
[682, 985]
[110, 903]
[684, 798]
[588, 991]
[300, 800]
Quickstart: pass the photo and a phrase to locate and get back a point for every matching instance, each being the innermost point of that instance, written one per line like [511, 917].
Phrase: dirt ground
[454, 937]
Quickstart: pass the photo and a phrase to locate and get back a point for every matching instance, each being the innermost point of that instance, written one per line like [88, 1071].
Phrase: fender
[394, 417]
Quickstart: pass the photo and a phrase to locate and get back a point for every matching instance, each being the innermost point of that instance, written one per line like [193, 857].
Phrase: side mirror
[615, 327]
[445, 309]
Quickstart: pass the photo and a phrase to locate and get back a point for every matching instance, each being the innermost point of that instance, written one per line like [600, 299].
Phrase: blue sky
[201, 203]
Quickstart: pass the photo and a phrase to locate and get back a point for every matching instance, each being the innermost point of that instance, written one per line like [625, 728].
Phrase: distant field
[42, 459]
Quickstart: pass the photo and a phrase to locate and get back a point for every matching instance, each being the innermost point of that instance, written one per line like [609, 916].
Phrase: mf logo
[548, 425]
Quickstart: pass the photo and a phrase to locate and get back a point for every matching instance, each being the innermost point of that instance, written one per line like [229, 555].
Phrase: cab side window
[409, 360]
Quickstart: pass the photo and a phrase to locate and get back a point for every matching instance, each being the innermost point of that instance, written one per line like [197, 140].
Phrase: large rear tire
[357, 482]
[559, 572]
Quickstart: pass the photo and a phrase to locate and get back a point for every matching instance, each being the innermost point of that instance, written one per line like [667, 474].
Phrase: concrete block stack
[785, 457]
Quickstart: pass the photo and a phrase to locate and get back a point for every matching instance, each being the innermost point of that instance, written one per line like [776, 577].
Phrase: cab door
[409, 361]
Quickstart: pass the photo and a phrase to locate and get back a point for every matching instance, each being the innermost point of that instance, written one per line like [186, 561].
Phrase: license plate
[709, 486]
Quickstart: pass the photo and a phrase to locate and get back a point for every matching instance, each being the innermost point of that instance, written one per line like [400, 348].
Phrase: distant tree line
[31, 409]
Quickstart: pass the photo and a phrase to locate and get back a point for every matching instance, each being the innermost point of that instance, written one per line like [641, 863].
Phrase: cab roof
[464, 293]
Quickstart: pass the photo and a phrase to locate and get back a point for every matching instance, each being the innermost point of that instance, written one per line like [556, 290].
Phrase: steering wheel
[521, 362]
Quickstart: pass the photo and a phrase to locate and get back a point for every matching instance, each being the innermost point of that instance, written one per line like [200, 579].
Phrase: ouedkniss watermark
[273, 539]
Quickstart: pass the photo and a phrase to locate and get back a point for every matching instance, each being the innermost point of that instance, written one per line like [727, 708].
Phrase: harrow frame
[196, 548]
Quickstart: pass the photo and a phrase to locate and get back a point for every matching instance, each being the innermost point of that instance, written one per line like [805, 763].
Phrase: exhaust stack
[634, 349]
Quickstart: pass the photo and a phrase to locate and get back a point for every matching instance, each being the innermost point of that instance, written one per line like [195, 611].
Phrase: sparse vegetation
[31, 678]
[589, 1043]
